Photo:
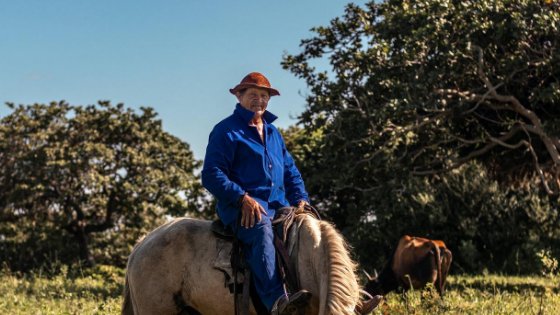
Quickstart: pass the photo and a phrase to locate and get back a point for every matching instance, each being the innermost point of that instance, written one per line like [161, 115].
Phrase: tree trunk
[83, 244]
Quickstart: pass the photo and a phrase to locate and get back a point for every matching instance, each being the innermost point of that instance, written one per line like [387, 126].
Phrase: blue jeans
[258, 248]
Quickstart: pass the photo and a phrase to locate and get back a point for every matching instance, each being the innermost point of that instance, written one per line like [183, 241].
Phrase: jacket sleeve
[217, 165]
[295, 188]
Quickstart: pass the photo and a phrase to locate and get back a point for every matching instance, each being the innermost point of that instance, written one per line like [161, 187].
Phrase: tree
[427, 106]
[430, 85]
[101, 174]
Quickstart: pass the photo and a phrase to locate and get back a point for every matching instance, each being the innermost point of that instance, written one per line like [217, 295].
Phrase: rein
[287, 216]
[284, 220]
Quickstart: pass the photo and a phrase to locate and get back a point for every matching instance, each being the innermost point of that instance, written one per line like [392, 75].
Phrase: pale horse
[170, 271]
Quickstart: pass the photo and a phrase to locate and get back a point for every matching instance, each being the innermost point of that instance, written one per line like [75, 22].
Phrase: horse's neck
[324, 267]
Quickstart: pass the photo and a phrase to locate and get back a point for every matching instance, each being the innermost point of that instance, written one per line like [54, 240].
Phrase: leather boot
[291, 305]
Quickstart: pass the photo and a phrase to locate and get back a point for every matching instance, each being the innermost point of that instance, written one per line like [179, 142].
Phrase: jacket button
[270, 166]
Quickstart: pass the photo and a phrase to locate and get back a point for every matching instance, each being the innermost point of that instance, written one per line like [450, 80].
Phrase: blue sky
[177, 56]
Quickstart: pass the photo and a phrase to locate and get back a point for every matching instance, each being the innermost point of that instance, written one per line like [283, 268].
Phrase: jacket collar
[246, 115]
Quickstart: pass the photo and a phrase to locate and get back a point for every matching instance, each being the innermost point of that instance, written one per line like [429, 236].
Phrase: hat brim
[237, 88]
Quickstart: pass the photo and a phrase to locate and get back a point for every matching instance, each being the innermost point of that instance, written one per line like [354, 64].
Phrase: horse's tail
[127, 308]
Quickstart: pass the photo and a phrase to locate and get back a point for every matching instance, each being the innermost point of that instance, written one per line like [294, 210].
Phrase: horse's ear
[375, 273]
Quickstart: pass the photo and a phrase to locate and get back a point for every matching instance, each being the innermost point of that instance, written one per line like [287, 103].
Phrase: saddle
[230, 258]
[222, 231]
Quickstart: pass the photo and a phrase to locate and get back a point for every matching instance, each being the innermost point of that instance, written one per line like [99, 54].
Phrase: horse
[170, 271]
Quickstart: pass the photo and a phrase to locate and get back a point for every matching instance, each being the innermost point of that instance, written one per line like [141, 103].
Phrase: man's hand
[250, 209]
[301, 205]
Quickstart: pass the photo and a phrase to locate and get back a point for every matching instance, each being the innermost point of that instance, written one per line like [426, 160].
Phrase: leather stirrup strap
[245, 297]
[287, 270]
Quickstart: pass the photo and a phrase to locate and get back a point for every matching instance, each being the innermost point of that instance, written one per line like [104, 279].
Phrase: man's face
[255, 100]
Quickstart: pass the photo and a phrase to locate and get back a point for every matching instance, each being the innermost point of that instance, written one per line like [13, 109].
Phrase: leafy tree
[88, 181]
[436, 118]
[429, 85]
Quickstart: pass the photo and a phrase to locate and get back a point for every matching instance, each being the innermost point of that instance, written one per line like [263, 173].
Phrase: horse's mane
[343, 291]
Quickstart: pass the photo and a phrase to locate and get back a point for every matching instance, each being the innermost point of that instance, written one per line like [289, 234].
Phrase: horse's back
[169, 243]
[170, 269]
[183, 232]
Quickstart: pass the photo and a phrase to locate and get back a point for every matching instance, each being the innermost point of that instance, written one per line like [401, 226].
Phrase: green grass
[93, 291]
[481, 294]
[98, 291]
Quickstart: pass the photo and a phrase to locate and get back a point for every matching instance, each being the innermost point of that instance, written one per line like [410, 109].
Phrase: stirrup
[292, 304]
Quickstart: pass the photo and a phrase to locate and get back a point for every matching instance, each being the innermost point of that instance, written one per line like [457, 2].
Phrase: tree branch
[519, 108]
[489, 146]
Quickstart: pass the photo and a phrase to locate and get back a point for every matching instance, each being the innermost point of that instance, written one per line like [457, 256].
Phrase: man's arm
[217, 163]
[295, 188]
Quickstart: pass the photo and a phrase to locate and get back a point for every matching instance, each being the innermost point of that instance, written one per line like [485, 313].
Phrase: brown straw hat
[254, 79]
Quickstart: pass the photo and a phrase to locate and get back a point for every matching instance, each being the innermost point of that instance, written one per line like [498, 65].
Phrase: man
[250, 172]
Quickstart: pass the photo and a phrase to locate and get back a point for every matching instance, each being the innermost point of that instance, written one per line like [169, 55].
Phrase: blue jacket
[237, 161]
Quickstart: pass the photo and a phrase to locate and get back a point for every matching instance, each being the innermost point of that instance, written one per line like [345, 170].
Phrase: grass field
[98, 291]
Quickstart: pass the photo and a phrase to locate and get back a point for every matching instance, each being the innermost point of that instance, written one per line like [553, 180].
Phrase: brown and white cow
[416, 262]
